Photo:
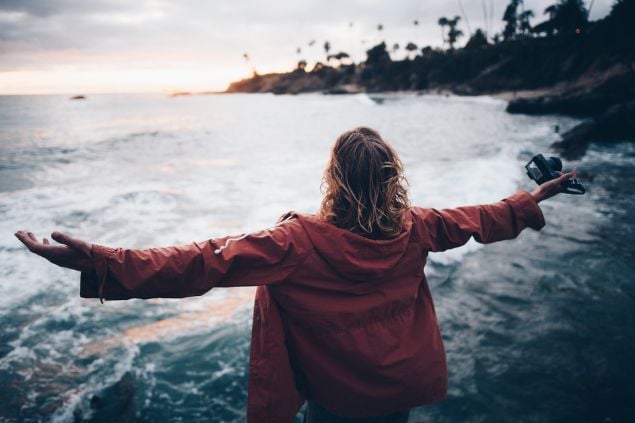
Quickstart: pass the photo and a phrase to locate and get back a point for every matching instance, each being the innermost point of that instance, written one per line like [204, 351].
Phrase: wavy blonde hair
[364, 186]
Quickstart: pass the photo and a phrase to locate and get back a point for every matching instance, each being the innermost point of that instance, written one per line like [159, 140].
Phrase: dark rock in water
[589, 96]
[78, 97]
[615, 125]
[116, 403]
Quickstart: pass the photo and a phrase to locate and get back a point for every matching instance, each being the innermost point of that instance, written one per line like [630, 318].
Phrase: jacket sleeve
[260, 258]
[451, 228]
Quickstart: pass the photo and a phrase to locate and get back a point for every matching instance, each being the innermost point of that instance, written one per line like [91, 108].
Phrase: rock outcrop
[615, 125]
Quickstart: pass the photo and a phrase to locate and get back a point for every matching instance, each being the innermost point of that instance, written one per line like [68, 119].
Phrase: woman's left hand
[553, 187]
[71, 252]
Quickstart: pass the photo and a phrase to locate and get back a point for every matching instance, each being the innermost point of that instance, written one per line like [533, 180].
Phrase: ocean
[538, 329]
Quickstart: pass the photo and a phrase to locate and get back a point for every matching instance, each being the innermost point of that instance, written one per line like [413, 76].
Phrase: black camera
[542, 170]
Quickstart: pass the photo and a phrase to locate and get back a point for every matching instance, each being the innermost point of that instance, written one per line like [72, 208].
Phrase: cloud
[47, 9]
[122, 34]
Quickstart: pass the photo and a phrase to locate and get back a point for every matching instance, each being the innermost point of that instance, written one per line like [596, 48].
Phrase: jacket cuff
[91, 283]
[527, 210]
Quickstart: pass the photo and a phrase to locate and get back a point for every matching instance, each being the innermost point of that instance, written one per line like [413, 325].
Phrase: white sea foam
[146, 171]
[79, 397]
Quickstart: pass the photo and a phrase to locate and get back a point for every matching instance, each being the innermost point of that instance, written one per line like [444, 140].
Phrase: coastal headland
[565, 65]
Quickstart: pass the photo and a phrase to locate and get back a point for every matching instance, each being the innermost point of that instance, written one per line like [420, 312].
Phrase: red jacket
[338, 318]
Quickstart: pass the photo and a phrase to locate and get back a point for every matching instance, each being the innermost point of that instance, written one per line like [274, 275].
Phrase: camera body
[542, 170]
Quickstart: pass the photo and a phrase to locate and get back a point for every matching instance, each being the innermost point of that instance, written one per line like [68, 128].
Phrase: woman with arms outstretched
[343, 315]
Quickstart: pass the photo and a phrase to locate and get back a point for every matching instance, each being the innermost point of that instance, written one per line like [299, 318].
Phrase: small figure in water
[343, 315]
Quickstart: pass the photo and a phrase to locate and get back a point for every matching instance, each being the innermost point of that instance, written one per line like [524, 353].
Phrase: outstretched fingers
[26, 239]
[34, 245]
[62, 238]
[74, 243]
[554, 186]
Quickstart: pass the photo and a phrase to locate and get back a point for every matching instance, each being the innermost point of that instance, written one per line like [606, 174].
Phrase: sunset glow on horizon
[87, 81]
[164, 46]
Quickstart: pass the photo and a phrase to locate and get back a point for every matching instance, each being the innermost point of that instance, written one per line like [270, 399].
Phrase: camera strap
[573, 186]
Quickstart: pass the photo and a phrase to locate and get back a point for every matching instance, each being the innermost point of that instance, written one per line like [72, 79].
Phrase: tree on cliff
[339, 57]
[453, 32]
[327, 48]
[377, 55]
[380, 28]
[301, 67]
[524, 26]
[253, 68]
[477, 40]
[516, 23]
[410, 47]
[443, 21]
[510, 17]
[570, 15]
[416, 24]
[567, 17]
[395, 48]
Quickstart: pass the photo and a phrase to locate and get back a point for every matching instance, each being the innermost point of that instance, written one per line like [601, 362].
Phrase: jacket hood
[354, 256]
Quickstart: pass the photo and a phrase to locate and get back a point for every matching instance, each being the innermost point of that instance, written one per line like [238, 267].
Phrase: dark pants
[315, 413]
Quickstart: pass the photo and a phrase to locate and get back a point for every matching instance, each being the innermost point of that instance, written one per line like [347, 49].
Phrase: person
[343, 315]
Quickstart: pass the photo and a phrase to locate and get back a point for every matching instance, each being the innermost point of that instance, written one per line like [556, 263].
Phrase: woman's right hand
[553, 187]
[71, 253]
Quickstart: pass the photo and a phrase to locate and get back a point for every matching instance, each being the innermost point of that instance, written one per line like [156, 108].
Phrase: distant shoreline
[584, 71]
[606, 99]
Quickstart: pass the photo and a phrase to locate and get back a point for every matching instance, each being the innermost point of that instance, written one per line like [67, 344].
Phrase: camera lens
[555, 163]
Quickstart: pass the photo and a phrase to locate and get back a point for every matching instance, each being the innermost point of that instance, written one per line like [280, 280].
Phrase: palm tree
[453, 33]
[416, 24]
[341, 56]
[410, 47]
[443, 21]
[568, 15]
[523, 21]
[248, 60]
[510, 17]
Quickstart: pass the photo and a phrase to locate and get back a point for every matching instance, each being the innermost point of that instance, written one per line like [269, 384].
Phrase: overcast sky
[65, 46]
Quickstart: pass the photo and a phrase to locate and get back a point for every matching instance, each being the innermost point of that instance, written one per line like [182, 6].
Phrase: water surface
[541, 328]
